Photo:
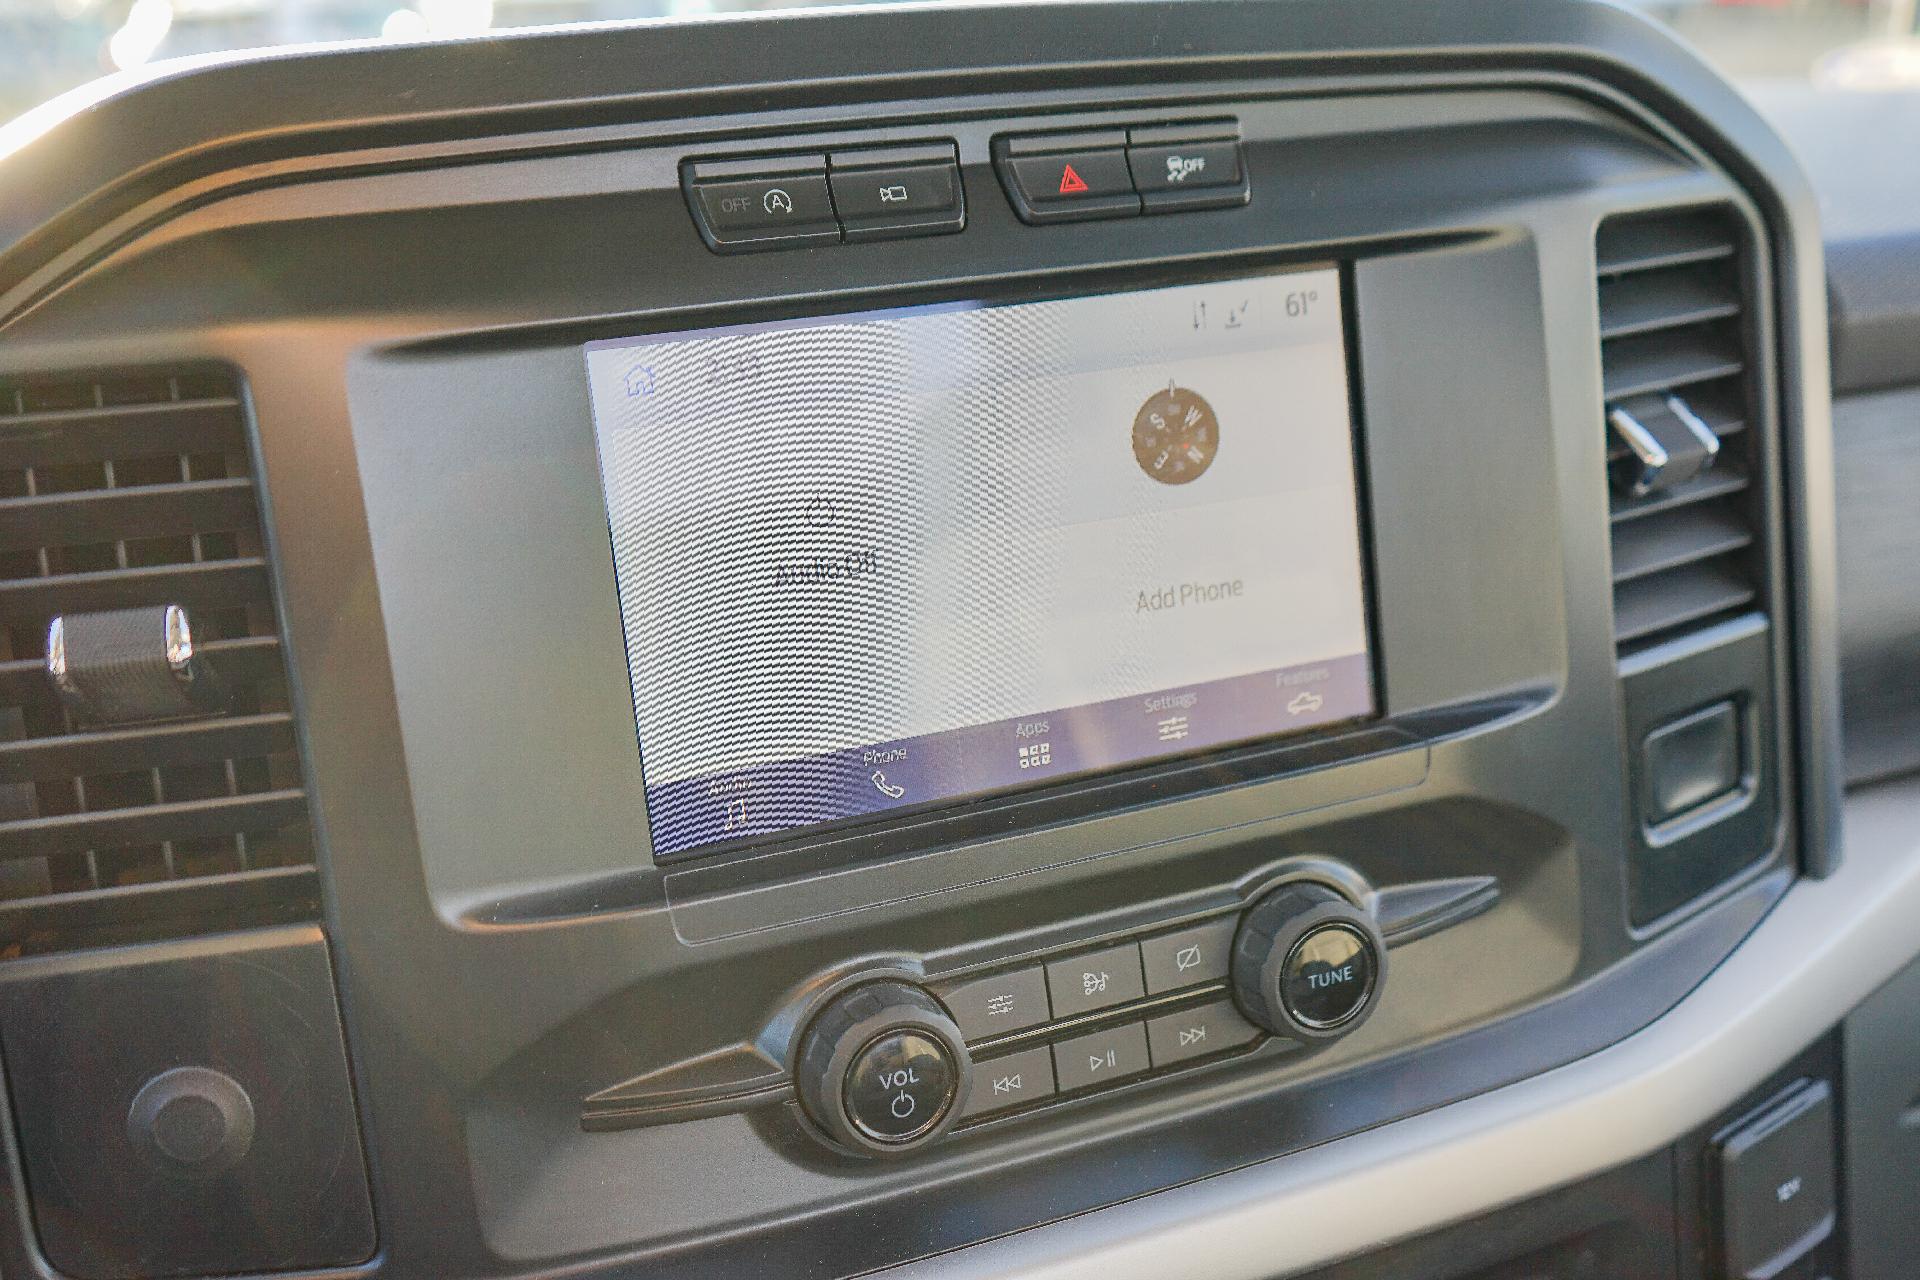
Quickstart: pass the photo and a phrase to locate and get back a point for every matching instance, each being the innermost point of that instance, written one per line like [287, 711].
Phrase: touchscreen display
[885, 560]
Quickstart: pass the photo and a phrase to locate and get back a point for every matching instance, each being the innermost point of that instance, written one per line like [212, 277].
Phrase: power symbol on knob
[891, 1077]
[882, 1067]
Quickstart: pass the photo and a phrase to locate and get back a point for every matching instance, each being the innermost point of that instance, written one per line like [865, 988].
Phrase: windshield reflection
[50, 46]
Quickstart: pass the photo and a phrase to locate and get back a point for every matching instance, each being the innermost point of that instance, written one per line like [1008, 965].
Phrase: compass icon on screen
[1175, 436]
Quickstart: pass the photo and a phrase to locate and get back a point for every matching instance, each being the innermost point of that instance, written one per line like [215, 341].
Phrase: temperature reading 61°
[1300, 302]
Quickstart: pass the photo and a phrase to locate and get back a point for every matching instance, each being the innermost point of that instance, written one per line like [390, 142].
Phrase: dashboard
[1142, 639]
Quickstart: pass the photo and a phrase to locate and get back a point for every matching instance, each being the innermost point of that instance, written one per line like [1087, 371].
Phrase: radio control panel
[892, 1060]
[1303, 965]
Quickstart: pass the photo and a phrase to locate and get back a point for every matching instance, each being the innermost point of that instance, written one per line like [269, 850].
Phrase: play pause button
[1101, 1058]
[1012, 1081]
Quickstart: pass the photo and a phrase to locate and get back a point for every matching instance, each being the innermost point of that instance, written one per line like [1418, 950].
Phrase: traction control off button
[1192, 166]
[900, 1086]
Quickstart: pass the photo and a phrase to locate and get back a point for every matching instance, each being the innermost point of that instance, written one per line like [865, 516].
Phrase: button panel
[802, 200]
[1093, 1018]
[1116, 173]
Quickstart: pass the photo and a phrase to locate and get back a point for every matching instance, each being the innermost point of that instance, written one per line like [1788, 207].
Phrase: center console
[1038, 686]
[886, 667]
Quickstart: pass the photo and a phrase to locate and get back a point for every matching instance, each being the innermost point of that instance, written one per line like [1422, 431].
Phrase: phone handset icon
[886, 788]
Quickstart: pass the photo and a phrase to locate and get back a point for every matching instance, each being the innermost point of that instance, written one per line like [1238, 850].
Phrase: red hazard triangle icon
[1071, 183]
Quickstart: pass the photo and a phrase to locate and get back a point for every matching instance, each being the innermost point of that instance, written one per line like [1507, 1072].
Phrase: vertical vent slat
[1675, 348]
[137, 489]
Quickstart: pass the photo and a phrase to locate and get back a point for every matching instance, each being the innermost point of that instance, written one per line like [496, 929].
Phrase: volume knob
[882, 1069]
[1307, 963]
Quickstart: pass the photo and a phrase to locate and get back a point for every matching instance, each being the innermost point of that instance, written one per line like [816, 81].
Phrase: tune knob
[882, 1069]
[1307, 963]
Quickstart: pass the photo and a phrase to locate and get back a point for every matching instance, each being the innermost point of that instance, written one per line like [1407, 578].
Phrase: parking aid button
[886, 193]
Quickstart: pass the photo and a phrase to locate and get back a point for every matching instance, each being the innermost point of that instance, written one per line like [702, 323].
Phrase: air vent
[116, 492]
[1683, 469]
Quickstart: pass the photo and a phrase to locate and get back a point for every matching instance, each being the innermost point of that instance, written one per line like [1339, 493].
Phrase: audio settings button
[999, 1004]
[900, 1086]
[1097, 981]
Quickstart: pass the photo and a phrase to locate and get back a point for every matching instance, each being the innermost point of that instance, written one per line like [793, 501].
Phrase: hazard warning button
[1058, 177]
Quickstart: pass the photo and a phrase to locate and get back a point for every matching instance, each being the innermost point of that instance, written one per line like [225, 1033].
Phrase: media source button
[1097, 981]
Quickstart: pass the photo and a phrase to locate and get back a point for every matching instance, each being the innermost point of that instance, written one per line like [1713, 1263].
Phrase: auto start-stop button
[900, 1086]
